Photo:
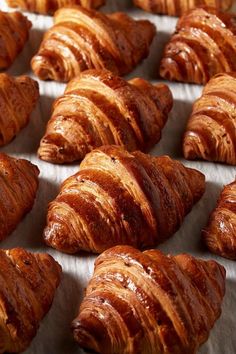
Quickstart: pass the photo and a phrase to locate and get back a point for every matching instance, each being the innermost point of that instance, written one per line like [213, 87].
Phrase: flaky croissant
[220, 234]
[28, 283]
[179, 7]
[121, 198]
[50, 6]
[14, 32]
[18, 187]
[18, 97]
[99, 108]
[211, 130]
[149, 303]
[204, 44]
[84, 39]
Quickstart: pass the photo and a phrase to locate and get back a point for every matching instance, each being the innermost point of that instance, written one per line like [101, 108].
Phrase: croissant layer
[99, 108]
[203, 45]
[220, 234]
[28, 283]
[149, 303]
[121, 198]
[18, 97]
[14, 32]
[18, 186]
[50, 6]
[84, 39]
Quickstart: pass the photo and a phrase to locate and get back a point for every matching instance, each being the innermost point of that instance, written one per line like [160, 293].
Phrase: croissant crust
[99, 108]
[121, 198]
[204, 44]
[27, 286]
[220, 234]
[84, 39]
[149, 303]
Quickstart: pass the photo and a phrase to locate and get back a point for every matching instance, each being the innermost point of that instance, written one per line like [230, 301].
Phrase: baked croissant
[149, 303]
[204, 44]
[18, 187]
[50, 6]
[18, 97]
[87, 39]
[99, 108]
[220, 234]
[179, 7]
[14, 32]
[211, 130]
[121, 198]
[28, 283]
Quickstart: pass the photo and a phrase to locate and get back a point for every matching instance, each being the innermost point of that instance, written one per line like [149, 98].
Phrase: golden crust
[149, 303]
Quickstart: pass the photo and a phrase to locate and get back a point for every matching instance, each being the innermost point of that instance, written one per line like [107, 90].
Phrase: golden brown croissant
[211, 130]
[28, 283]
[220, 234]
[99, 108]
[179, 7]
[18, 187]
[18, 97]
[204, 44]
[84, 39]
[50, 6]
[121, 198]
[14, 32]
[149, 303]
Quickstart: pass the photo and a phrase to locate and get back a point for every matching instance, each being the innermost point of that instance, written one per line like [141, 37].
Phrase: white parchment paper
[54, 335]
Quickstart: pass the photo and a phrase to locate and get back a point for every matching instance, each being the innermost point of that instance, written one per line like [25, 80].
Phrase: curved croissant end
[18, 187]
[203, 45]
[50, 6]
[99, 108]
[28, 283]
[179, 7]
[211, 130]
[84, 39]
[14, 32]
[18, 97]
[220, 234]
[121, 198]
[149, 303]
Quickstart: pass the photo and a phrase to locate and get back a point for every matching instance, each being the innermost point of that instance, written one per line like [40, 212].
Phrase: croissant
[204, 44]
[121, 198]
[87, 39]
[99, 108]
[14, 32]
[18, 97]
[28, 283]
[220, 234]
[149, 303]
[211, 130]
[50, 6]
[179, 7]
[18, 187]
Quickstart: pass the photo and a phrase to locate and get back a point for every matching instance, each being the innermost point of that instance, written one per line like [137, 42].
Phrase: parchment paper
[54, 336]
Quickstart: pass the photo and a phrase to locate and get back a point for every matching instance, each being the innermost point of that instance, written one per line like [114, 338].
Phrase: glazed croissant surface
[149, 303]
[18, 187]
[211, 130]
[220, 234]
[179, 7]
[18, 97]
[204, 44]
[121, 198]
[84, 39]
[50, 6]
[99, 108]
[28, 283]
[14, 32]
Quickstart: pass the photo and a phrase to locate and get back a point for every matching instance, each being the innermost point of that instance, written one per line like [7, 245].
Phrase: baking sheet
[54, 336]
